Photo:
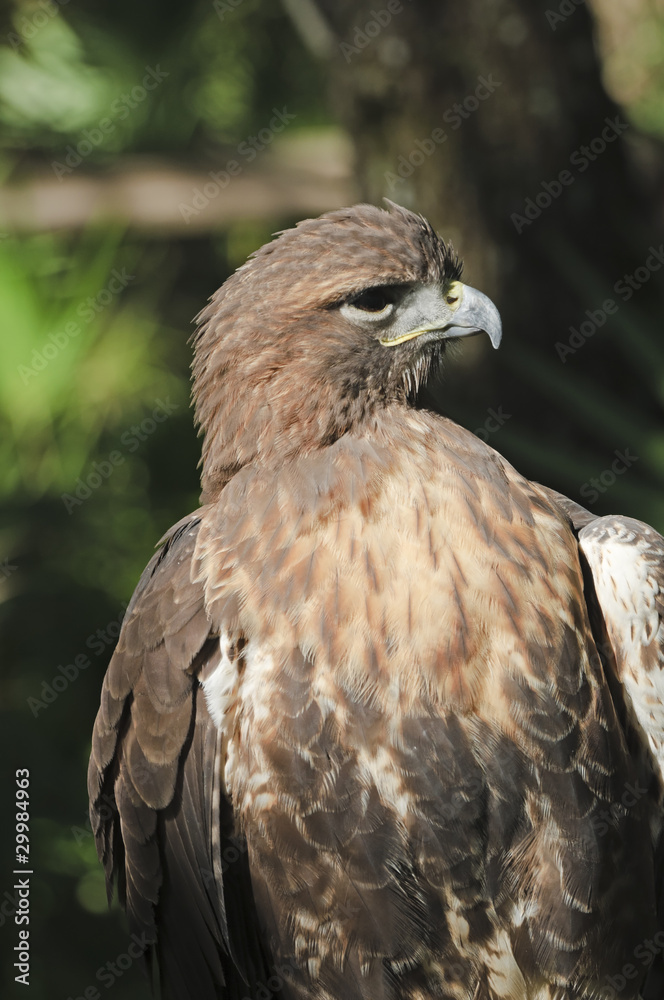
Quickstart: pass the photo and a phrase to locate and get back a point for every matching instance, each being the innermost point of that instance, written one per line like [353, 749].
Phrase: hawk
[385, 719]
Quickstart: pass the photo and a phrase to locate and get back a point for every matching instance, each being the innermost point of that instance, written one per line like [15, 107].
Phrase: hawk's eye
[373, 300]
[371, 304]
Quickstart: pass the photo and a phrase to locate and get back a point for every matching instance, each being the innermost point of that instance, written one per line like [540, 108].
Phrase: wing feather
[157, 807]
[625, 558]
[624, 561]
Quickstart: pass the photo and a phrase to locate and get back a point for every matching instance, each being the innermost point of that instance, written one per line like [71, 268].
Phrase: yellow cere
[453, 298]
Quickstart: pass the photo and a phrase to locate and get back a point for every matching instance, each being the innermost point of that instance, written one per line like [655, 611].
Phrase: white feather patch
[626, 559]
[221, 685]
[221, 689]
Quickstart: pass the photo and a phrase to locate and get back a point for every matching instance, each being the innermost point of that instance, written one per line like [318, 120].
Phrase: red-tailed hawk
[385, 719]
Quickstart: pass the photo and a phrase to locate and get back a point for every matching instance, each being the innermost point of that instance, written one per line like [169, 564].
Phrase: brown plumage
[384, 721]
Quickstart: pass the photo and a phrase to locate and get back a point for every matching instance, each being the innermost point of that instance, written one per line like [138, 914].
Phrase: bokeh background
[145, 150]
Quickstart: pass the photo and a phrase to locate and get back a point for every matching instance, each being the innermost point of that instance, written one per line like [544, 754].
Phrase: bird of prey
[385, 720]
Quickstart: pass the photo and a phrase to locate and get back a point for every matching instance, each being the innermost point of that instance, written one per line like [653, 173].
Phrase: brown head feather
[277, 370]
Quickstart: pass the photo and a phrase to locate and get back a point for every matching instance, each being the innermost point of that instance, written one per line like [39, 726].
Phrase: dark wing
[162, 824]
[625, 594]
[626, 561]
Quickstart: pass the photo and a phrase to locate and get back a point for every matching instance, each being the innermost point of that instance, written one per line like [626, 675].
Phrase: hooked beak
[461, 312]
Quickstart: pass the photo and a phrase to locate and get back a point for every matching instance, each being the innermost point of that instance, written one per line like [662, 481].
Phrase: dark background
[113, 235]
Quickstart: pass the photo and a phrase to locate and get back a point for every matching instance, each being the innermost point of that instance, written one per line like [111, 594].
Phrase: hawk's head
[335, 318]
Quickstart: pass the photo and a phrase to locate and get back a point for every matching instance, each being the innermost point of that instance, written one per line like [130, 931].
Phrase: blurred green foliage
[224, 68]
[82, 358]
[631, 38]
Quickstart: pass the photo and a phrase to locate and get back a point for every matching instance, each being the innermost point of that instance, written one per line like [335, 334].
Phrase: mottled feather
[376, 707]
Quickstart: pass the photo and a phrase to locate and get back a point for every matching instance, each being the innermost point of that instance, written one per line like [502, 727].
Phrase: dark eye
[372, 305]
[373, 300]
